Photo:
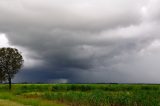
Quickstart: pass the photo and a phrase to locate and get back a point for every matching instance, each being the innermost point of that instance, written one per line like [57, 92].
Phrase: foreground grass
[11, 99]
[9, 103]
[82, 94]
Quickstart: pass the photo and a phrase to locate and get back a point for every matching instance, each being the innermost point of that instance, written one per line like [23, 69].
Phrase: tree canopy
[11, 61]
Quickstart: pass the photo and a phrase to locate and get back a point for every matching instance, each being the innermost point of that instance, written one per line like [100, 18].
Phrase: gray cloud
[70, 14]
[108, 40]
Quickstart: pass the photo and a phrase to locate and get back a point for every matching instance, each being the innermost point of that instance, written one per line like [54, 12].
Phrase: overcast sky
[84, 40]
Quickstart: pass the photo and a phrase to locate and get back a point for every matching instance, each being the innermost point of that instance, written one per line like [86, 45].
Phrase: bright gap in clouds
[4, 42]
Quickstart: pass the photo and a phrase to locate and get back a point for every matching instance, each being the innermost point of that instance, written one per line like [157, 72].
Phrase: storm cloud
[84, 40]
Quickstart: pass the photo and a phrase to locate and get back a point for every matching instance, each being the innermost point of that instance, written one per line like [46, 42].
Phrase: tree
[2, 76]
[11, 61]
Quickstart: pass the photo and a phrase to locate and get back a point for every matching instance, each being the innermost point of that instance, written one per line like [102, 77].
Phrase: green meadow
[80, 95]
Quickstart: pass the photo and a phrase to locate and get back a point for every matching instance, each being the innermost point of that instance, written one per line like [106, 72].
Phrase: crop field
[80, 95]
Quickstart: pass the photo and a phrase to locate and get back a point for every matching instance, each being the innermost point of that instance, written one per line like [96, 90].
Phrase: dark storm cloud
[108, 40]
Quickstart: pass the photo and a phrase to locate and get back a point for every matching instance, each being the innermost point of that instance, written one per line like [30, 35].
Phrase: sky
[84, 41]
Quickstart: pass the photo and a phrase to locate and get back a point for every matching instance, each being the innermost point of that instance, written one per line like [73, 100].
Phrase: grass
[9, 103]
[82, 94]
[20, 98]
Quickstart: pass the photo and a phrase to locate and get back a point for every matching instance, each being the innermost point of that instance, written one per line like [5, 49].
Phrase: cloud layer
[107, 40]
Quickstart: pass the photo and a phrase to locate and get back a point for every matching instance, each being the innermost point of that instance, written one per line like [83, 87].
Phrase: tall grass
[85, 94]
[102, 98]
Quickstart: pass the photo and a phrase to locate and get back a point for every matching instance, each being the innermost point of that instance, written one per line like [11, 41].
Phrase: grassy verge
[9, 103]
[27, 101]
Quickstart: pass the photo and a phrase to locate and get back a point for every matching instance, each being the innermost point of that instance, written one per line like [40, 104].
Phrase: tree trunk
[9, 80]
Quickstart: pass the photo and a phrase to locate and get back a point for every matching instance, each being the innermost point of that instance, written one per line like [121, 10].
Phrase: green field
[80, 95]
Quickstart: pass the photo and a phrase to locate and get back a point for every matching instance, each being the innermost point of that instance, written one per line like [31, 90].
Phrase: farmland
[80, 95]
